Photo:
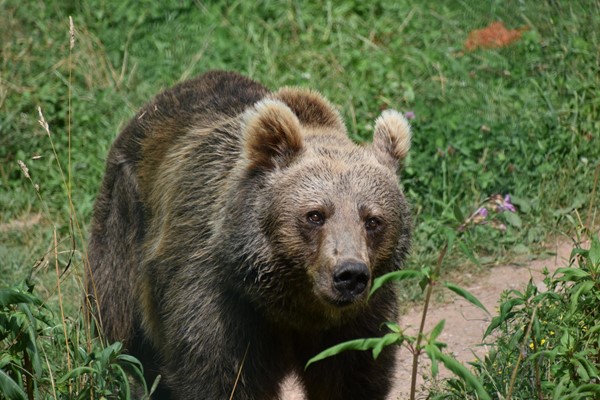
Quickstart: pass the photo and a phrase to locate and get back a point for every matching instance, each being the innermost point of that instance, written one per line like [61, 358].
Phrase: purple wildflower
[499, 204]
[409, 115]
[482, 211]
[508, 206]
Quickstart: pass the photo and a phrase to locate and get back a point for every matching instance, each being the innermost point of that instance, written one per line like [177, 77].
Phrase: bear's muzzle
[350, 279]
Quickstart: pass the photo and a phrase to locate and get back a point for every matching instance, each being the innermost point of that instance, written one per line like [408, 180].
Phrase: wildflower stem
[60, 298]
[417, 349]
[538, 379]
[513, 376]
[496, 203]
[28, 365]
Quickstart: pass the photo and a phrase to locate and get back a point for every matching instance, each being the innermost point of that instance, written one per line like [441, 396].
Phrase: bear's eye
[372, 224]
[315, 217]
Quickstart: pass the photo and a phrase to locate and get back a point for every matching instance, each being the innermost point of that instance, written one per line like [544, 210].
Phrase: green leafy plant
[103, 372]
[428, 278]
[21, 314]
[546, 344]
[30, 338]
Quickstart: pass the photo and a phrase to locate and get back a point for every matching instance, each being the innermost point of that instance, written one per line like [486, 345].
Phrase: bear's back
[189, 140]
[204, 101]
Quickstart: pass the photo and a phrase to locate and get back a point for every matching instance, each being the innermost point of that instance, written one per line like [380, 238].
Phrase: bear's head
[330, 214]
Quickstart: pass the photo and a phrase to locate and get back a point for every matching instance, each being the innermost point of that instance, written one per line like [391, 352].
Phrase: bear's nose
[351, 278]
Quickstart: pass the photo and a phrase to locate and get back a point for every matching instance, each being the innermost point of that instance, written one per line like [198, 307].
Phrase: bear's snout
[350, 279]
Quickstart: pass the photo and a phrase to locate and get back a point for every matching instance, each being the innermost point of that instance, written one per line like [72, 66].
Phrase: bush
[546, 345]
[45, 357]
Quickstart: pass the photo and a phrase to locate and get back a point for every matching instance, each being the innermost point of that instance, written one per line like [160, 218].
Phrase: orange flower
[495, 35]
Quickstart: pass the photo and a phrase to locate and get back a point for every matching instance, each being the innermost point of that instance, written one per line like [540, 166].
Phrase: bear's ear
[311, 108]
[272, 136]
[391, 139]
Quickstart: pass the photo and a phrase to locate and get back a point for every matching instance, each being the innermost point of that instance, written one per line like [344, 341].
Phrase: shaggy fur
[238, 231]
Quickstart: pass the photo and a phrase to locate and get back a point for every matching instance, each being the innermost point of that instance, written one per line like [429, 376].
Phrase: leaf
[135, 368]
[450, 238]
[571, 274]
[560, 388]
[497, 321]
[432, 352]
[10, 389]
[463, 373]
[392, 326]
[508, 305]
[578, 252]
[567, 340]
[357, 344]
[549, 354]
[435, 332]
[594, 329]
[589, 367]
[589, 389]
[31, 335]
[513, 219]
[125, 389]
[580, 369]
[76, 372]
[464, 293]
[154, 386]
[126, 358]
[110, 352]
[523, 204]
[388, 339]
[83, 355]
[520, 248]
[10, 296]
[584, 287]
[426, 278]
[394, 276]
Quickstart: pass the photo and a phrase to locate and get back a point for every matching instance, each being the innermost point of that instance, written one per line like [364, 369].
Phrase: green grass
[522, 120]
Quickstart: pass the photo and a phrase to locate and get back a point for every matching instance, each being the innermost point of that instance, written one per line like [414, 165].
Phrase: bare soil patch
[21, 224]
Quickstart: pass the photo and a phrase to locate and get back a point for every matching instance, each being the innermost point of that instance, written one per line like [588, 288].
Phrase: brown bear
[237, 234]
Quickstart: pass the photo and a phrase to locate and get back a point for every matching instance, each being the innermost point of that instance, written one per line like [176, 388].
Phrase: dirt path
[465, 324]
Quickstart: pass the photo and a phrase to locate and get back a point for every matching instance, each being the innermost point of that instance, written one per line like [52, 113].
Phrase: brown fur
[226, 228]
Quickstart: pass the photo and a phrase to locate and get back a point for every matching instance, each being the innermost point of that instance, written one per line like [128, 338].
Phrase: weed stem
[417, 349]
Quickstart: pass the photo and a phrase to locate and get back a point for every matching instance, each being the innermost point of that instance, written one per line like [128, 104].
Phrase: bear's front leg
[223, 350]
[351, 375]
[221, 375]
